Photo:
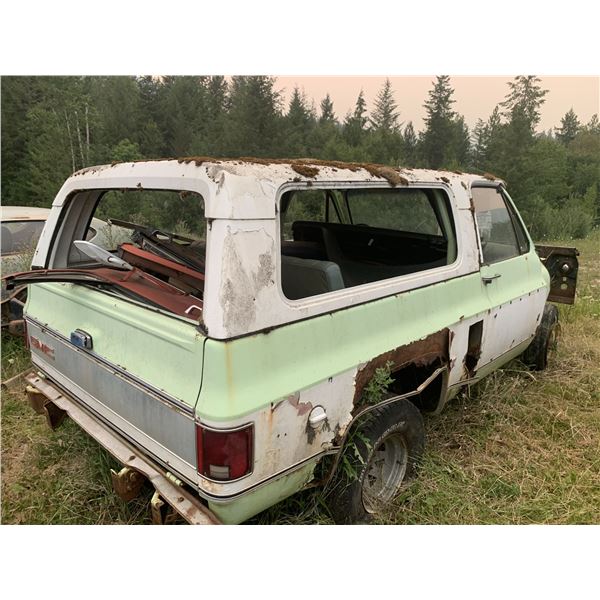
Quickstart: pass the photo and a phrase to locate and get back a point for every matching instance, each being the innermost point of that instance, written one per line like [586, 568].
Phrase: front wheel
[381, 456]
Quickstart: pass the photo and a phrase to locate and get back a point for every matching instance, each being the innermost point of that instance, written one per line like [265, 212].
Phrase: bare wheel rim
[384, 472]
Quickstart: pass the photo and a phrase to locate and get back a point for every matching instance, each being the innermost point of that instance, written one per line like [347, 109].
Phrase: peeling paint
[240, 284]
[302, 408]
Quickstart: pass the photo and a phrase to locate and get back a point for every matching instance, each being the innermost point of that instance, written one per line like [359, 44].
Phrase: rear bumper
[183, 502]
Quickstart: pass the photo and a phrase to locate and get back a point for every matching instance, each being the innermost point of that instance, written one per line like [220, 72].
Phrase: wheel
[544, 340]
[382, 454]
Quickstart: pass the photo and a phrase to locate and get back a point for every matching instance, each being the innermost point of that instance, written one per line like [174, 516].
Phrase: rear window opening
[334, 239]
[159, 237]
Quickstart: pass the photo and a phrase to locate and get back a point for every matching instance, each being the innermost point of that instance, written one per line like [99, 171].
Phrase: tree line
[52, 126]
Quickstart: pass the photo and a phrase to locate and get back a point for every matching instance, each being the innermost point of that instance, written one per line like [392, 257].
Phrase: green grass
[520, 447]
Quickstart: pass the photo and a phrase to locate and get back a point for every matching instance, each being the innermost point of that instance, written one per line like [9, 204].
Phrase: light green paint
[242, 508]
[246, 374]
[297, 356]
[160, 350]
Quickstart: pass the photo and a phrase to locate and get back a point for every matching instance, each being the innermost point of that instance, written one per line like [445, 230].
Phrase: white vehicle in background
[21, 230]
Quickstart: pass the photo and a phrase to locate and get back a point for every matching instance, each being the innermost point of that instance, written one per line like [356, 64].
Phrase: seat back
[303, 277]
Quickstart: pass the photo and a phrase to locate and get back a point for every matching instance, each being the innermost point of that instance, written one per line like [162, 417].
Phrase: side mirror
[101, 255]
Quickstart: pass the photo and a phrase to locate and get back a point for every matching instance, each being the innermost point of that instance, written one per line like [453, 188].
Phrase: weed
[376, 390]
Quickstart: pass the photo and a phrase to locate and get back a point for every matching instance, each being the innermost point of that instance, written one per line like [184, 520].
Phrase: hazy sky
[475, 96]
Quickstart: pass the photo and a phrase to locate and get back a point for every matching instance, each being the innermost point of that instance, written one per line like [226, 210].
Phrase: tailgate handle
[487, 280]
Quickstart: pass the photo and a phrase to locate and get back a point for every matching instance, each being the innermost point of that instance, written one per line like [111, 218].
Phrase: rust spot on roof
[309, 167]
[305, 170]
[445, 179]
[197, 160]
[489, 176]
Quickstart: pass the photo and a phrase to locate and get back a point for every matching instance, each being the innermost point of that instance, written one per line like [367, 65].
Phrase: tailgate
[141, 375]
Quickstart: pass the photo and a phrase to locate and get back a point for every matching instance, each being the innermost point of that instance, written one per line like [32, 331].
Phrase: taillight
[224, 454]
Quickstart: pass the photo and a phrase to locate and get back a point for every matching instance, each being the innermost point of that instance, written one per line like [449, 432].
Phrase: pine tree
[410, 145]
[298, 123]
[569, 126]
[594, 125]
[185, 102]
[460, 148]
[209, 139]
[479, 139]
[437, 138]
[355, 123]
[254, 118]
[524, 100]
[327, 114]
[385, 115]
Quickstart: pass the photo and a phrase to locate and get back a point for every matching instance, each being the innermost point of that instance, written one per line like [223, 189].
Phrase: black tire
[544, 340]
[395, 431]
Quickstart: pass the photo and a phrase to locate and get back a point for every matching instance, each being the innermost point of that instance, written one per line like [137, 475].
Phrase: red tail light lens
[224, 454]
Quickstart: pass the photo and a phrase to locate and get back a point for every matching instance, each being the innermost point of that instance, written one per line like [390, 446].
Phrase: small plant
[376, 390]
[373, 393]
[351, 457]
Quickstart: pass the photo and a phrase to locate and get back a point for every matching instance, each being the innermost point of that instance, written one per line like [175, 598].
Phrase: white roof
[243, 188]
[281, 170]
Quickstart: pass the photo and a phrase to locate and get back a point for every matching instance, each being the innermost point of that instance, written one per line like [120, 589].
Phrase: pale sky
[475, 96]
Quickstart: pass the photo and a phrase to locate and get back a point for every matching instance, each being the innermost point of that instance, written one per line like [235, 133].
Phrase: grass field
[520, 447]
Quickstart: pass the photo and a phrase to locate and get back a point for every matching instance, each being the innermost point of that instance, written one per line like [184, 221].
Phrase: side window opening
[336, 239]
[495, 225]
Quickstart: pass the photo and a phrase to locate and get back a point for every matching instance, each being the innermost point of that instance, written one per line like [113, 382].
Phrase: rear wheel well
[412, 375]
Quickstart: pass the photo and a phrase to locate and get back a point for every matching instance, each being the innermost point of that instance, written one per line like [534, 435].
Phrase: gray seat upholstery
[303, 277]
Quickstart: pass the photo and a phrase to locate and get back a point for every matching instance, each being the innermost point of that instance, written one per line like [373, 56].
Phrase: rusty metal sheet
[127, 483]
[562, 264]
[421, 352]
[136, 282]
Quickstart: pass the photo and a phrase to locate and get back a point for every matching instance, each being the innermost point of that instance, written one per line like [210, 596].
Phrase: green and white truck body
[286, 373]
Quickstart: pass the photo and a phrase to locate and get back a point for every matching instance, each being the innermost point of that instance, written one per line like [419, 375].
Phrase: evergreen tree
[594, 125]
[438, 138]
[48, 155]
[410, 145]
[299, 123]
[460, 146]
[184, 103]
[209, 139]
[355, 124]
[254, 118]
[524, 100]
[385, 115]
[327, 114]
[479, 139]
[117, 101]
[494, 138]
